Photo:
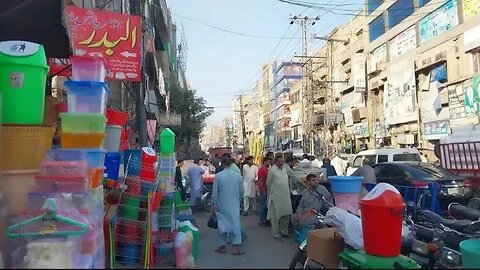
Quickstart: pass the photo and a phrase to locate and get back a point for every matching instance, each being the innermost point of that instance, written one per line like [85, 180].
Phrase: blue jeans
[262, 212]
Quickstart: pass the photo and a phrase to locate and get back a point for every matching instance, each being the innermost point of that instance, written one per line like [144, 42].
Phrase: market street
[262, 251]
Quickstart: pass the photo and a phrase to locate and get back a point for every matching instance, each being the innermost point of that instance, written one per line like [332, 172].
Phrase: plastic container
[382, 217]
[132, 161]
[346, 184]
[64, 168]
[95, 156]
[23, 76]
[352, 259]
[112, 138]
[470, 250]
[112, 165]
[167, 141]
[23, 147]
[88, 68]
[147, 169]
[83, 122]
[138, 187]
[65, 184]
[81, 140]
[61, 107]
[96, 177]
[116, 118]
[86, 97]
[196, 236]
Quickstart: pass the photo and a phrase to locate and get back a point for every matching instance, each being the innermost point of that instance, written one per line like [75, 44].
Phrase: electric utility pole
[306, 91]
[242, 121]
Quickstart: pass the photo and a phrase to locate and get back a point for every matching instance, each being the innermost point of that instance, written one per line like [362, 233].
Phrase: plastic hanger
[50, 218]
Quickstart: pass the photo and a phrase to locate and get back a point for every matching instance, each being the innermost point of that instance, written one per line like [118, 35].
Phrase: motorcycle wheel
[298, 260]
[207, 203]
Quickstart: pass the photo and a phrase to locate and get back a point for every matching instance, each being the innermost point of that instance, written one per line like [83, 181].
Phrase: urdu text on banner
[114, 36]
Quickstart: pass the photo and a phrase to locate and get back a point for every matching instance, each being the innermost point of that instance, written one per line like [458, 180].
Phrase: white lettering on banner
[400, 104]
[403, 42]
[359, 72]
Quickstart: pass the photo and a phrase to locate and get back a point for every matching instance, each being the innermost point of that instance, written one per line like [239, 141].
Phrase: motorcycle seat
[459, 211]
[458, 225]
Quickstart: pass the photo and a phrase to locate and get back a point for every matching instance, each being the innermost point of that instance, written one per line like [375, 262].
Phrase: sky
[221, 64]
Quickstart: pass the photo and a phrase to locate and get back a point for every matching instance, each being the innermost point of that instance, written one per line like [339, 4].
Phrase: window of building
[376, 28]
[373, 5]
[475, 61]
[422, 3]
[399, 12]
[295, 133]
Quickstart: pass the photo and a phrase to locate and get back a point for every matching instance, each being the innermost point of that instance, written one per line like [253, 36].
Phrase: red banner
[60, 67]
[115, 36]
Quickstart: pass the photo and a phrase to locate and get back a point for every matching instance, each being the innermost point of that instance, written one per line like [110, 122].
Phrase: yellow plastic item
[81, 140]
[24, 147]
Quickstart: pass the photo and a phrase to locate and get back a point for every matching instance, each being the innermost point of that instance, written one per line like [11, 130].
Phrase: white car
[383, 155]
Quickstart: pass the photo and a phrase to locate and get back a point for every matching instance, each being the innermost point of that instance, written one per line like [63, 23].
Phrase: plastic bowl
[116, 118]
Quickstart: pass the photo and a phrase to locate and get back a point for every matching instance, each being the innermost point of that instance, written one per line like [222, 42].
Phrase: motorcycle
[206, 198]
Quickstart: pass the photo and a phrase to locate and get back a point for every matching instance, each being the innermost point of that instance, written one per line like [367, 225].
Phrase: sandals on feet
[236, 250]
[221, 250]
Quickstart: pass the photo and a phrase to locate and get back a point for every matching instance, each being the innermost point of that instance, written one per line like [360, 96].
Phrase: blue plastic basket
[112, 165]
[346, 184]
[132, 160]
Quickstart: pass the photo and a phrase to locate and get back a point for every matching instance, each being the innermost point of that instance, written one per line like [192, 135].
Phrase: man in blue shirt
[330, 169]
[195, 182]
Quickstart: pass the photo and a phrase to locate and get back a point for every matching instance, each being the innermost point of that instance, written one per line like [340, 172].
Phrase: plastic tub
[83, 122]
[86, 97]
[116, 118]
[64, 168]
[347, 201]
[346, 184]
[81, 140]
[94, 156]
[112, 165]
[88, 68]
[66, 184]
[470, 250]
[112, 138]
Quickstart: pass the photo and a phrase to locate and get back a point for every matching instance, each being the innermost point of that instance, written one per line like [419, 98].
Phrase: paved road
[262, 251]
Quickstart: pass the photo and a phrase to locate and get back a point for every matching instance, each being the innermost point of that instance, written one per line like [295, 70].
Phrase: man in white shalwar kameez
[249, 176]
[226, 196]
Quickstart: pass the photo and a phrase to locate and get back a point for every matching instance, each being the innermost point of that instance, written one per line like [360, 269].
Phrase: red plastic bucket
[116, 118]
[382, 218]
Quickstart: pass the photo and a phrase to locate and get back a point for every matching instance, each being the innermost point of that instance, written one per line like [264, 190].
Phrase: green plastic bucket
[23, 76]
[470, 250]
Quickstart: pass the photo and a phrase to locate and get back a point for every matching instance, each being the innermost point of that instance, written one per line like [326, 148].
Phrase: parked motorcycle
[206, 199]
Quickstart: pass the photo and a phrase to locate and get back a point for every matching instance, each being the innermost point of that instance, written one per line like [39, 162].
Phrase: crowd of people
[240, 180]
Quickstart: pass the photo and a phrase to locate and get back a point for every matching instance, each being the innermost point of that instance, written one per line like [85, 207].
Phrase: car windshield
[406, 157]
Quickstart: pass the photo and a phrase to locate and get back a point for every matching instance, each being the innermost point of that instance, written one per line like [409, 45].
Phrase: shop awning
[38, 21]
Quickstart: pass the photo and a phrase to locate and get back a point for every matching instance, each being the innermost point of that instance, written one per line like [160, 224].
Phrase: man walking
[195, 182]
[227, 193]
[250, 171]
[179, 178]
[262, 191]
[339, 164]
[279, 202]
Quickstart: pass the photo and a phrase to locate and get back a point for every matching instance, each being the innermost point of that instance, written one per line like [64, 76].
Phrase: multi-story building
[240, 106]
[409, 68]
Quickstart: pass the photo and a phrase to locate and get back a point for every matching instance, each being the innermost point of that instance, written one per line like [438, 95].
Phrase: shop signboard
[348, 117]
[170, 120]
[352, 100]
[472, 97]
[436, 130]
[115, 36]
[439, 21]
[378, 56]
[399, 100]
[471, 38]
[361, 130]
[403, 42]
[359, 72]
[471, 8]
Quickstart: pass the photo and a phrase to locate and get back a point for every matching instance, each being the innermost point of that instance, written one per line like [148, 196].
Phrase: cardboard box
[324, 246]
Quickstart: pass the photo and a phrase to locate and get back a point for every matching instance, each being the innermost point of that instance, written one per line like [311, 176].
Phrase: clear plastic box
[57, 184]
[83, 122]
[86, 97]
[88, 68]
[64, 168]
[94, 156]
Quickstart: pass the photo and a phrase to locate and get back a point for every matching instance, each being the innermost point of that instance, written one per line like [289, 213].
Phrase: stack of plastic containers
[116, 120]
[346, 191]
[82, 136]
[131, 221]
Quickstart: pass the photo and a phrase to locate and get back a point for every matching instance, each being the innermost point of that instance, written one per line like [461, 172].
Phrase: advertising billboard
[439, 21]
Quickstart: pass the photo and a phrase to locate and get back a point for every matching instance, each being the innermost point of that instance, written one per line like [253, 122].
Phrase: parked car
[451, 187]
[383, 155]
